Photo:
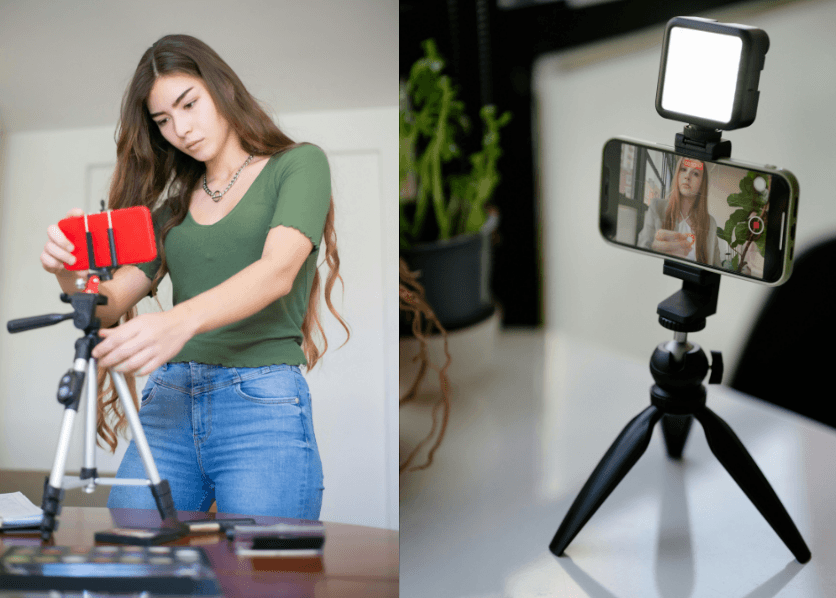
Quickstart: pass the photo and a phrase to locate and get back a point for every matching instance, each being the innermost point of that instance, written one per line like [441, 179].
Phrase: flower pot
[456, 276]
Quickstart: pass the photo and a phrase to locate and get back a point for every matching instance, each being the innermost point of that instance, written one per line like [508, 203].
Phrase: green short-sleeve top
[294, 190]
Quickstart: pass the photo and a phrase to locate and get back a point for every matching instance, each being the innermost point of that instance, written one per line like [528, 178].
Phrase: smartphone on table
[726, 216]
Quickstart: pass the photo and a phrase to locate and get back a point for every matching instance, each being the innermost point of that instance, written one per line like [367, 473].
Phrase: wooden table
[357, 560]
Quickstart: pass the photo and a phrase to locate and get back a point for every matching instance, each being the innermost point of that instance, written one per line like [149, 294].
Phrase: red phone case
[133, 233]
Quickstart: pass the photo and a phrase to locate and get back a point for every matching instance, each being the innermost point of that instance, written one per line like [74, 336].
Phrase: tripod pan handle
[23, 324]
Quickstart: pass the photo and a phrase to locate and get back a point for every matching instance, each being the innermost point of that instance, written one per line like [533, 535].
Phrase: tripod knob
[716, 368]
[674, 372]
[680, 327]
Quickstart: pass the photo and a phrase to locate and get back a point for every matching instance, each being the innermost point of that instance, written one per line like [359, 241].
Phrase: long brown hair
[148, 168]
[701, 220]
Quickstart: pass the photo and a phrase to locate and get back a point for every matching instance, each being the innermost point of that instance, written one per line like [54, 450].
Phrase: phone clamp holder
[677, 397]
[70, 389]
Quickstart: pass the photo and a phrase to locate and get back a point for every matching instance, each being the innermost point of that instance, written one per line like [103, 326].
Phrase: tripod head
[687, 309]
[84, 308]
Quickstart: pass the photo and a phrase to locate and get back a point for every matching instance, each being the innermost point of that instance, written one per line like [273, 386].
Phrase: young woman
[681, 225]
[239, 212]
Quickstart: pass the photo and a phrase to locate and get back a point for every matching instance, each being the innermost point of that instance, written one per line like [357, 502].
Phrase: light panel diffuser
[701, 73]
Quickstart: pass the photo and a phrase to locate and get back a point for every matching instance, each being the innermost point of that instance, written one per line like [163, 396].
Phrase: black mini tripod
[70, 388]
[678, 367]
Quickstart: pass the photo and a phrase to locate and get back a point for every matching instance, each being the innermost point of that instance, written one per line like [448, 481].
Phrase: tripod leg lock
[51, 506]
[52, 498]
[69, 389]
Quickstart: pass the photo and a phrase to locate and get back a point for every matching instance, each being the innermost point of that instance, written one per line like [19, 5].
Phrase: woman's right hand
[58, 248]
[671, 242]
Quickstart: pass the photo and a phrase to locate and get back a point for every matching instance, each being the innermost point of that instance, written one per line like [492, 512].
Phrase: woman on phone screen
[681, 225]
[240, 211]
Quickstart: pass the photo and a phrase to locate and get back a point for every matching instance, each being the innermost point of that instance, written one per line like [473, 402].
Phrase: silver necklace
[217, 195]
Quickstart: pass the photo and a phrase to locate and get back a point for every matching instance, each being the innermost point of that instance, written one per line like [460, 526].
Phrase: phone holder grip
[687, 309]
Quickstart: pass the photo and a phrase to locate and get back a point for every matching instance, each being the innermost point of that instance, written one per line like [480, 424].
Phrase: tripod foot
[675, 430]
[731, 453]
[164, 500]
[618, 460]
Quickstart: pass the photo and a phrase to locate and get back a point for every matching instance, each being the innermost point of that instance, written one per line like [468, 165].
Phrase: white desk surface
[523, 438]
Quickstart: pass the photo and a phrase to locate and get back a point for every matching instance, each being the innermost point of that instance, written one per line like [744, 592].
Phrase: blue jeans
[240, 436]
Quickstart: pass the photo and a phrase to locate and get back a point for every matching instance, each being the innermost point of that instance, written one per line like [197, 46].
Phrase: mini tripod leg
[731, 453]
[675, 430]
[618, 460]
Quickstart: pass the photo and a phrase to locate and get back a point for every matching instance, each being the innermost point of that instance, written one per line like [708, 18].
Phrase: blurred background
[325, 70]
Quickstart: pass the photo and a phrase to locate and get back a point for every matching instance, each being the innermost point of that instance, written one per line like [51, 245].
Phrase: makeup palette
[178, 570]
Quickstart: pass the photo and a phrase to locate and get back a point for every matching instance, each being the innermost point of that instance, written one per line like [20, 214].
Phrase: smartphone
[725, 216]
[126, 234]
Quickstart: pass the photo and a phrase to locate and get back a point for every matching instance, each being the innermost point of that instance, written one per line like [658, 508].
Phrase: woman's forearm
[66, 280]
[242, 295]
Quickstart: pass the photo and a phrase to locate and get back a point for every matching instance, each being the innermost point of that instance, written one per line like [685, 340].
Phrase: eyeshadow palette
[164, 570]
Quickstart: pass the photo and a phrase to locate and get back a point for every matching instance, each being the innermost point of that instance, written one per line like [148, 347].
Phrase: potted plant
[446, 222]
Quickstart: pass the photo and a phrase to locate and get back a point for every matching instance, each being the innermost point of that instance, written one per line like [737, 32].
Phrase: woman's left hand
[142, 344]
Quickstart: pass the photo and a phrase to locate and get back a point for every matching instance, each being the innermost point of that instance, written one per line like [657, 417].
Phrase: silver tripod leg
[159, 487]
[56, 476]
[91, 421]
[136, 426]
[54, 484]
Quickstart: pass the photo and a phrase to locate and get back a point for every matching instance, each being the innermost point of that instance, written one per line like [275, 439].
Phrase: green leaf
[747, 183]
[741, 233]
[475, 219]
[740, 200]
[736, 218]
[741, 215]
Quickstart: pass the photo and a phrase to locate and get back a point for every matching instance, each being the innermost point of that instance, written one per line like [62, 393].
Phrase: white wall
[43, 174]
[65, 64]
[591, 94]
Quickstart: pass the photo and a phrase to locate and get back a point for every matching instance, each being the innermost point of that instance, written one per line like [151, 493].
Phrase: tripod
[69, 394]
[678, 368]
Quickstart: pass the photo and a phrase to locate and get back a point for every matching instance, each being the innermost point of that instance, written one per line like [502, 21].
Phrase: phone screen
[729, 218]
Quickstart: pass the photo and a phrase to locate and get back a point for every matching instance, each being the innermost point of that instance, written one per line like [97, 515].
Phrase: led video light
[709, 73]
